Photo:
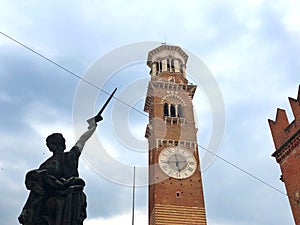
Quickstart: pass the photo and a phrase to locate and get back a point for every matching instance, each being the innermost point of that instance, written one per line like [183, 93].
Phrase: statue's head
[56, 142]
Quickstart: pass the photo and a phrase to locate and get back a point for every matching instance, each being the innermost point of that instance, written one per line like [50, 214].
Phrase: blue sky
[250, 47]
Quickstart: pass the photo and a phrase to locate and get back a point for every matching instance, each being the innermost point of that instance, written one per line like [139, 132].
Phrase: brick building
[286, 137]
[175, 184]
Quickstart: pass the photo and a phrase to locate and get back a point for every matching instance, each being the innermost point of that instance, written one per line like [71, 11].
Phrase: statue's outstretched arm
[81, 142]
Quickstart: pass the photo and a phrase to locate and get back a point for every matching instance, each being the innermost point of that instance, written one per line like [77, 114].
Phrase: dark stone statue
[56, 192]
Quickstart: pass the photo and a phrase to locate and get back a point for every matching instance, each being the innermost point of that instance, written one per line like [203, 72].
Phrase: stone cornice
[287, 147]
[164, 48]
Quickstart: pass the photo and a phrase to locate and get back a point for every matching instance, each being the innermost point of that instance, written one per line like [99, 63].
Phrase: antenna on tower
[165, 42]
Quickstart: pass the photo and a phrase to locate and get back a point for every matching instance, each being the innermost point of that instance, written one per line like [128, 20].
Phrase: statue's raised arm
[82, 140]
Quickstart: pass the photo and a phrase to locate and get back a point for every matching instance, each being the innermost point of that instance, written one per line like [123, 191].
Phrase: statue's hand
[75, 188]
[94, 120]
[62, 179]
[98, 118]
[92, 125]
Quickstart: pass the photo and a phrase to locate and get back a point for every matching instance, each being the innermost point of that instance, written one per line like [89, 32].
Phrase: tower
[286, 137]
[175, 184]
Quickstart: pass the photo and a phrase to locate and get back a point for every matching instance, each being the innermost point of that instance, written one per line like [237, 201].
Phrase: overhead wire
[68, 71]
[140, 112]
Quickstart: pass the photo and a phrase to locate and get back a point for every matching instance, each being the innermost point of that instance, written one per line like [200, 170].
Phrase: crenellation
[295, 105]
[278, 127]
[281, 128]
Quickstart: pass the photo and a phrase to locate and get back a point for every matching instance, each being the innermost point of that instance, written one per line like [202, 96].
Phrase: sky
[251, 48]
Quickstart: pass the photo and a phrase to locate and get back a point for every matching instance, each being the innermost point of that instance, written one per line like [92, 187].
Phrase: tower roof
[164, 51]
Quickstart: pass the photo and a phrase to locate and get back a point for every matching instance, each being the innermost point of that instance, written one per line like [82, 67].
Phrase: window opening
[168, 64]
[173, 110]
[172, 65]
[166, 109]
[180, 111]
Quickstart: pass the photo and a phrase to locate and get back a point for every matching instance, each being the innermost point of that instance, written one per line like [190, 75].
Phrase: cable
[244, 171]
[68, 71]
[93, 85]
[49, 60]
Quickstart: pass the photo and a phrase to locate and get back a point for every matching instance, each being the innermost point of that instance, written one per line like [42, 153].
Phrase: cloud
[5, 98]
[251, 47]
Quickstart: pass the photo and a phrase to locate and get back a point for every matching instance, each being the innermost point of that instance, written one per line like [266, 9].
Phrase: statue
[56, 192]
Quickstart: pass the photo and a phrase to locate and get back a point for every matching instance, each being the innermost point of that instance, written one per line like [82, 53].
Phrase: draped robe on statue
[56, 192]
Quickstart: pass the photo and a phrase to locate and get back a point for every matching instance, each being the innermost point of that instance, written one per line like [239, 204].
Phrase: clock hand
[177, 163]
[184, 163]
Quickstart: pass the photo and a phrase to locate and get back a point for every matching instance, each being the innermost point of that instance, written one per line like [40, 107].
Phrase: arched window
[173, 111]
[180, 111]
[166, 109]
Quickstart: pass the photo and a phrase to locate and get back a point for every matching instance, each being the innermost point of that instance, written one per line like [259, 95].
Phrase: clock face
[177, 162]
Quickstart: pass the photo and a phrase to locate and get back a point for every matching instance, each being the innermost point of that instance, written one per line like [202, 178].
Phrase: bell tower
[175, 184]
[286, 137]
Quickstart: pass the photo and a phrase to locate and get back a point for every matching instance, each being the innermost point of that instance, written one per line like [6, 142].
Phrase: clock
[177, 162]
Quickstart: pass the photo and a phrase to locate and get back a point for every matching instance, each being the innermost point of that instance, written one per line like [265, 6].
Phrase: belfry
[175, 183]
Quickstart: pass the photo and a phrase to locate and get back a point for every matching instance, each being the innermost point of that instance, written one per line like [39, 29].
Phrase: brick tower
[175, 184]
[286, 137]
